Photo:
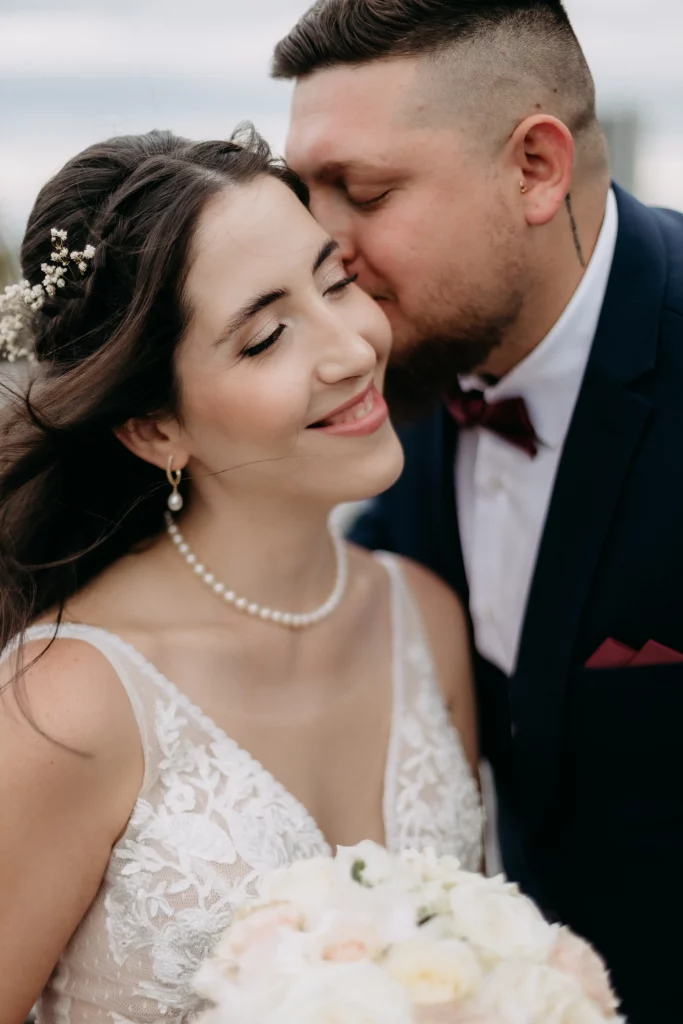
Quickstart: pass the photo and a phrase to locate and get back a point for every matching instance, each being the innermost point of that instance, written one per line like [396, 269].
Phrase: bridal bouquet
[370, 938]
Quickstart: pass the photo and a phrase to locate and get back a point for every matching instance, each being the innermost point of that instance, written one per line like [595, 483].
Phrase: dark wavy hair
[73, 499]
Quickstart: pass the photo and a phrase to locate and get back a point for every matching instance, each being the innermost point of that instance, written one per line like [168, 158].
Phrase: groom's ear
[542, 157]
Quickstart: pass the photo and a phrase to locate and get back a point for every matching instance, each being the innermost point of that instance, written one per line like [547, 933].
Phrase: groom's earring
[175, 498]
[522, 187]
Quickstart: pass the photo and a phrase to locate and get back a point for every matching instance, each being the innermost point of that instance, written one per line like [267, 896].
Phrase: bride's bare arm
[446, 626]
[64, 799]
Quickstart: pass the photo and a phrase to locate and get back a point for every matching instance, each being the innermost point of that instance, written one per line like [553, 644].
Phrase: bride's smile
[360, 416]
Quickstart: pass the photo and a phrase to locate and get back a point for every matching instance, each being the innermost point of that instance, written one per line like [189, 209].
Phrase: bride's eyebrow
[243, 315]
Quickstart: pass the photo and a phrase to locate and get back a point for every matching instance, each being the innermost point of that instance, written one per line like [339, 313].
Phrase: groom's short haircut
[506, 58]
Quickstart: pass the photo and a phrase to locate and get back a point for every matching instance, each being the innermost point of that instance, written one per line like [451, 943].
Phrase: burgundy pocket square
[613, 654]
[610, 654]
[656, 654]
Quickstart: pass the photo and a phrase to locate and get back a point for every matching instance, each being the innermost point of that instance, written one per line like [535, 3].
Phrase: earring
[175, 498]
[522, 187]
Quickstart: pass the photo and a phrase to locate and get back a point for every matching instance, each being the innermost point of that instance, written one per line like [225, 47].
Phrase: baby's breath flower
[19, 300]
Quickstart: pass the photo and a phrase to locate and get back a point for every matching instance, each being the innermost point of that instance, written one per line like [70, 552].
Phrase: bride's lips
[363, 415]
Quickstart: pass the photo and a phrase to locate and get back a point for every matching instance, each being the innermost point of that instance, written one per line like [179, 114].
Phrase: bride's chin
[371, 472]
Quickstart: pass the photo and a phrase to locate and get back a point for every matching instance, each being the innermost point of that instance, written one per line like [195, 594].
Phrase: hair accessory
[19, 301]
[522, 187]
[175, 498]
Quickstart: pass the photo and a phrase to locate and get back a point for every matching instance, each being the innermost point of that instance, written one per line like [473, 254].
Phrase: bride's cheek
[379, 334]
[265, 414]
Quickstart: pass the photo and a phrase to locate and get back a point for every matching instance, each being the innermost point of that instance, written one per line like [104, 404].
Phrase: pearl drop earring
[175, 498]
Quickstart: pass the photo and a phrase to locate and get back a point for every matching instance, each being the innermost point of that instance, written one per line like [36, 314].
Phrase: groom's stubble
[447, 337]
[425, 372]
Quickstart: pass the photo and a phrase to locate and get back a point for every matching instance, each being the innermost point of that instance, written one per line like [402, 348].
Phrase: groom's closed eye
[369, 202]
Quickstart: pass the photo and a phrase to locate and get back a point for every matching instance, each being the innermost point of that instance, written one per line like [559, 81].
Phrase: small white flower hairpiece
[18, 301]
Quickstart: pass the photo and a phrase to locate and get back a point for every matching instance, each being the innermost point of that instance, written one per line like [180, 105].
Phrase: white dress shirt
[502, 494]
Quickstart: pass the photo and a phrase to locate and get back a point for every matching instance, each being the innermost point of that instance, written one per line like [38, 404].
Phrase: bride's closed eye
[258, 347]
[266, 343]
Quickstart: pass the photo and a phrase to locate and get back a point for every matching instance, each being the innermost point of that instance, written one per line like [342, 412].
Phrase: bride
[200, 680]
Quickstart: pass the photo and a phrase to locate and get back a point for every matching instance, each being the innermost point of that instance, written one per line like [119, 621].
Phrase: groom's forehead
[323, 156]
[346, 119]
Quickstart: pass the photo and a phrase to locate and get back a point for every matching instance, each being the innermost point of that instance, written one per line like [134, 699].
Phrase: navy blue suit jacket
[588, 762]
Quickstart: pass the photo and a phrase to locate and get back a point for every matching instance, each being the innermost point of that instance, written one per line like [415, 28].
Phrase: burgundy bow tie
[508, 418]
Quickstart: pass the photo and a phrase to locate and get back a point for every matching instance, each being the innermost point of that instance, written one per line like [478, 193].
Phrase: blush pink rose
[573, 956]
[347, 951]
[259, 926]
[450, 1013]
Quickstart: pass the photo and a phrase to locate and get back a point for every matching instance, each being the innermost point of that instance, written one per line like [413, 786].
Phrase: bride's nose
[345, 355]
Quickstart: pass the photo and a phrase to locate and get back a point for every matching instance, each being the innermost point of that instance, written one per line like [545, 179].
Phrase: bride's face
[280, 339]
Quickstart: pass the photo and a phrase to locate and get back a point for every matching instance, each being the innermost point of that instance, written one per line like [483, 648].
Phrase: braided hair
[73, 499]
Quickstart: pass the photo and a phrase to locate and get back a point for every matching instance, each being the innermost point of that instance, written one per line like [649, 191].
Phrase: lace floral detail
[210, 820]
[192, 855]
[435, 801]
[438, 803]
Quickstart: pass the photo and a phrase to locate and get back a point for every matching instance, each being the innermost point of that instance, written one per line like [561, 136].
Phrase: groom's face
[415, 201]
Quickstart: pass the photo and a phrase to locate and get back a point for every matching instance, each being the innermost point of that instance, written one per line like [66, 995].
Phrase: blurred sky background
[73, 72]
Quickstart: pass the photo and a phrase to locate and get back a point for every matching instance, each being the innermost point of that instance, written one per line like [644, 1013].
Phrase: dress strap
[410, 635]
[432, 799]
[116, 653]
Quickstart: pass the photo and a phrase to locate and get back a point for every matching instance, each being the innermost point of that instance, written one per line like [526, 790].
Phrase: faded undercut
[497, 61]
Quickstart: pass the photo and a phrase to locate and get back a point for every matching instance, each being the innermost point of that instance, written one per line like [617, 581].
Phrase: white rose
[309, 885]
[434, 972]
[432, 868]
[517, 992]
[372, 918]
[371, 863]
[433, 901]
[356, 993]
[213, 981]
[500, 924]
[239, 1001]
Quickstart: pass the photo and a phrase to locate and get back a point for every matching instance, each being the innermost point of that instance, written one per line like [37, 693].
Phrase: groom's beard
[422, 373]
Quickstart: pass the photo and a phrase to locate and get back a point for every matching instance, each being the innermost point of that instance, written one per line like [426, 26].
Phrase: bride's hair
[73, 499]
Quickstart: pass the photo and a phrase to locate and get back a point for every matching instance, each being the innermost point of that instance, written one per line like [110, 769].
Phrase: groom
[452, 148]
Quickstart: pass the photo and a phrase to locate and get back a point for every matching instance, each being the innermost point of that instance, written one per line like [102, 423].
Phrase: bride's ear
[155, 441]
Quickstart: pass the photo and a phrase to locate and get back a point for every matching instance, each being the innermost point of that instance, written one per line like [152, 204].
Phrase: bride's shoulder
[69, 779]
[445, 626]
[440, 608]
[430, 591]
[66, 690]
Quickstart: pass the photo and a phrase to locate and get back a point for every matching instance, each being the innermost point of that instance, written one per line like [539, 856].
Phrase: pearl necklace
[291, 620]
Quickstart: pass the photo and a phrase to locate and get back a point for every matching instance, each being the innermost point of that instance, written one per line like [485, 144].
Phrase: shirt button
[494, 485]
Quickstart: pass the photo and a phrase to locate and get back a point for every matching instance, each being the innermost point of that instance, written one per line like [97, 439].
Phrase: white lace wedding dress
[210, 820]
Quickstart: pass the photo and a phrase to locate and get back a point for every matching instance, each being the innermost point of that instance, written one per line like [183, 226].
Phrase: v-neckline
[219, 734]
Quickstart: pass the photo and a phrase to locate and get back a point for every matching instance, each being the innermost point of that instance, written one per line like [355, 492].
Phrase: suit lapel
[448, 539]
[608, 421]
